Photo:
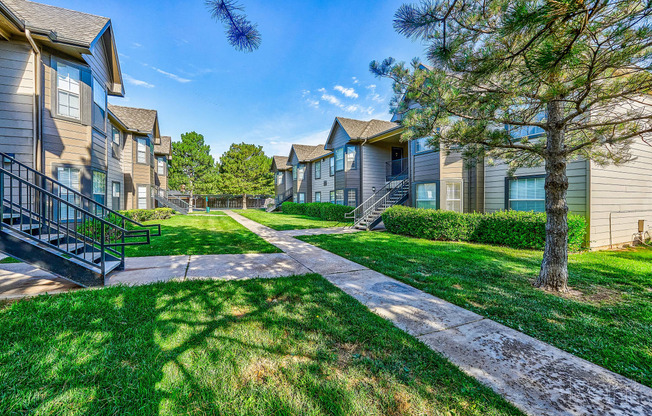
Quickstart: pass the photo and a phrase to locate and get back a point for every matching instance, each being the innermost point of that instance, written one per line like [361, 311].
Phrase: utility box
[641, 226]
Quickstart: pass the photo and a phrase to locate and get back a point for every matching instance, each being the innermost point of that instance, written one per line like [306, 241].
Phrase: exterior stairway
[164, 198]
[55, 228]
[369, 214]
[286, 196]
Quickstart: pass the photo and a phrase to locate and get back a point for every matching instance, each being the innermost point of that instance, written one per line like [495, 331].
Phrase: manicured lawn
[186, 234]
[607, 319]
[9, 260]
[291, 346]
[213, 212]
[280, 222]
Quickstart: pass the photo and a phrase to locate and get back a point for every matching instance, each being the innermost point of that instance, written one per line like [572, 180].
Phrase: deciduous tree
[244, 169]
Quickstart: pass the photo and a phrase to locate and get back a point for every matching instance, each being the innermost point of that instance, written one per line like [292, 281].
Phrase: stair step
[11, 215]
[26, 227]
[92, 256]
[50, 237]
[72, 247]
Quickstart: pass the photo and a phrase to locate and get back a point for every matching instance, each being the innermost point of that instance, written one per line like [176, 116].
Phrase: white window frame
[142, 200]
[339, 196]
[141, 149]
[279, 178]
[318, 169]
[73, 182]
[115, 194]
[317, 196]
[101, 191]
[302, 198]
[161, 165]
[332, 197]
[453, 203]
[339, 159]
[115, 131]
[68, 90]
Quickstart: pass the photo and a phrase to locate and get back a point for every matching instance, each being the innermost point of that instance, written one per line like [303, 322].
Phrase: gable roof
[308, 153]
[139, 120]
[164, 147]
[361, 130]
[63, 25]
[280, 163]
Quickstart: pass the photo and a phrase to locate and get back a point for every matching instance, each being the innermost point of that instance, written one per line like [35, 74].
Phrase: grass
[9, 260]
[213, 212]
[290, 346]
[281, 222]
[606, 319]
[185, 234]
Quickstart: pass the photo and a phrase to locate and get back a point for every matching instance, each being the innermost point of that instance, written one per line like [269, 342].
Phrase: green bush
[510, 228]
[322, 210]
[140, 215]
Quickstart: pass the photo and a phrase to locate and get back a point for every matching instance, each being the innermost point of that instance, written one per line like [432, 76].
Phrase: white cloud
[136, 45]
[347, 92]
[133, 81]
[332, 99]
[313, 103]
[274, 146]
[354, 108]
[171, 75]
[355, 80]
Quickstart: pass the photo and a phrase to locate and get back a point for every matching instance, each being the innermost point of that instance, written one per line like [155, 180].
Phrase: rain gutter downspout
[37, 145]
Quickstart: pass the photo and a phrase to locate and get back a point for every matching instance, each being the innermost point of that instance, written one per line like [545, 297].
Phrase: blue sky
[311, 67]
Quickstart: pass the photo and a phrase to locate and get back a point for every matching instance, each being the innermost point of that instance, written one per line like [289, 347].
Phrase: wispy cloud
[347, 92]
[136, 45]
[355, 80]
[373, 95]
[137, 82]
[171, 75]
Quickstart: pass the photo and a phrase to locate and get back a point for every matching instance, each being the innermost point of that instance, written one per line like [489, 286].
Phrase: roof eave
[15, 20]
[384, 135]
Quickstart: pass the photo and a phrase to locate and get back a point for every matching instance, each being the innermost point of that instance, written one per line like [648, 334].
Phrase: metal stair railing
[89, 233]
[173, 200]
[57, 188]
[381, 196]
[285, 196]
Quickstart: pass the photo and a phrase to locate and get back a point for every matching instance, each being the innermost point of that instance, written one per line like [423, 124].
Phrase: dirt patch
[457, 286]
[593, 295]
[347, 352]
[266, 369]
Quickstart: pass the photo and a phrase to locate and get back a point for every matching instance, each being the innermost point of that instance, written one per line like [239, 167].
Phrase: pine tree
[240, 32]
[244, 169]
[192, 166]
[578, 70]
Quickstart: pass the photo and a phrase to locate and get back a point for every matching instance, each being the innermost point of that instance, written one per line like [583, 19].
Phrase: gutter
[37, 122]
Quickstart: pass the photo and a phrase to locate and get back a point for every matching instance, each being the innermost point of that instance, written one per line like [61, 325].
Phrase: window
[294, 173]
[351, 198]
[142, 197]
[422, 145]
[99, 105]
[68, 177]
[426, 195]
[115, 196]
[295, 198]
[318, 169]
[339, 197]
[279, 178]
[141, 150]
[454, 196]
[519, 132]
[99, 187]
[68, 87]
[301, 171]
[317, 196]
[302, 198]
[351, 160]
[115, 134]
[339, 159]
[331, 162]
[527, 194]
[332, 197]
[161, 165]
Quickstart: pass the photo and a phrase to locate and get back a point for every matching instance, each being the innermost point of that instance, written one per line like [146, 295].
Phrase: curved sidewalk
[536, 377]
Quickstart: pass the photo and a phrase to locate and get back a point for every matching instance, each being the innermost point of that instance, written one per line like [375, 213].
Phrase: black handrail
[69, 190]
[370, 203]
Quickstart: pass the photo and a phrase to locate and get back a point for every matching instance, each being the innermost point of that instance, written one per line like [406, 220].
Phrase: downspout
[37, 122]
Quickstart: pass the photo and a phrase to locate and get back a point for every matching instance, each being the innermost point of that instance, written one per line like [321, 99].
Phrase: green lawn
[607, 319]
[290, 346]
[186, 234]
[281, 222]
[213, 212]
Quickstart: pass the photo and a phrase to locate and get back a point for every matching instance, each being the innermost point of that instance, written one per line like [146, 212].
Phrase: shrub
[140, 215]
[510, 228]
[322, 210]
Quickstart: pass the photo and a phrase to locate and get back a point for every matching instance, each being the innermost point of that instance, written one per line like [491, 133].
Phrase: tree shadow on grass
[287, 346]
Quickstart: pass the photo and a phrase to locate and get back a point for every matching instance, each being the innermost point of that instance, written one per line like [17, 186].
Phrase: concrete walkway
[22, 280]
[320, 231]
[536, 377]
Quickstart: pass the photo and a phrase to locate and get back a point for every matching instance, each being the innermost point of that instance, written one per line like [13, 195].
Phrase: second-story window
[99, 105]
[301, 171]
[339, 159]
[161, 165]
[68, 91]
[351, 159]
[294, 173]
[318, 169]
[141, 150]
[422, 145]
[115, 135]
[279, 178]
[331, 162]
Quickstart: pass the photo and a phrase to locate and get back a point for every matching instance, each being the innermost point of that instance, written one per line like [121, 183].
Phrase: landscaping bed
[293, 345]
[281, 221]
[606, 318]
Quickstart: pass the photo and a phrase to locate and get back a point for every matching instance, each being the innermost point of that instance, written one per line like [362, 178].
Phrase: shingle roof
[67, 25]
[306, 153]
[165, 147]
[138, 119]
[359, 130]
[281, 162]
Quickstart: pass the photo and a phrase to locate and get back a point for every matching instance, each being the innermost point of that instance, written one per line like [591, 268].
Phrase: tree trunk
[244, 201]
[554, 268]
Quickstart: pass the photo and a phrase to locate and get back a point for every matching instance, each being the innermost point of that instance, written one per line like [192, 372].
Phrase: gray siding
[374, 175]
[495, 185]
[325, 184]
[620, 196]
[16, 100]
[425, 167]
[340, 137]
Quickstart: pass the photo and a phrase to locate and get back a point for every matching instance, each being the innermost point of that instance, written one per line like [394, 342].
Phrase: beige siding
[16, 100]
[495, 185]
[325, 184]
[620, 196]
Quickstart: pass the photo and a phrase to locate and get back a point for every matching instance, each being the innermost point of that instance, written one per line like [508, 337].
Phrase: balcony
[396, 169]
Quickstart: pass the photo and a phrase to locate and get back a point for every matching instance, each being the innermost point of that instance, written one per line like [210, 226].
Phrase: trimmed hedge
[140, 215]
[322, 210]
[509, 228]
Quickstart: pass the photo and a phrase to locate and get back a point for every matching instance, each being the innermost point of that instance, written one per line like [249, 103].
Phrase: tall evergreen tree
[192, 166]
[578, 70]
[244, 169]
